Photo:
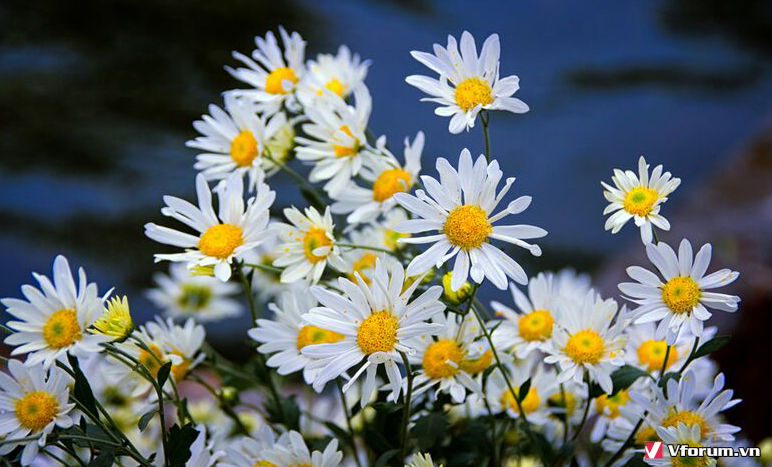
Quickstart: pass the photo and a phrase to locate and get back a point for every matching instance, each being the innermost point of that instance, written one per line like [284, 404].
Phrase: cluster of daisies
[364, 303]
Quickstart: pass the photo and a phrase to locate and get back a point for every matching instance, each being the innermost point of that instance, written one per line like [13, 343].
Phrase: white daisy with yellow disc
[307, 245]
[451, 360]
[589, 339]
[468, 83]
[34, 401]
[460, 207]
[236, 140]
[290, 450]
[683, 295]
[529, 327]
[682, 434]
[376, 321]
[53, 320]
[337, 140]
[678, 405]
[273, 74]
[339, 74]
[183, 294]
[220, 238]
[283, 336]
[639, 197]
[385, 176]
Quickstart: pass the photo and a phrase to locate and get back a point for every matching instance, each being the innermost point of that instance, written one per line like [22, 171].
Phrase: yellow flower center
[612, 403]
[36, 410]
[585, 347]
[391, 239]
[529, 404]
[180, 371]
[315, 238]
[335, 86]
[244, 149]
[273, 83]
[194, 297]
[701, 461]
[62, 329]
[467, 227]
[688, 419]
[220, 240]
[556, 400]
[438, 355]
[151, 361]
[640, 201]
[535, 326]
[365, 263]
[378, 333]
[390, 182]
[645, 434]
[473, 92]
[652, 354]
[477, 365]
[311, 335]
[681, 294]
[346, 151]
[264, 464]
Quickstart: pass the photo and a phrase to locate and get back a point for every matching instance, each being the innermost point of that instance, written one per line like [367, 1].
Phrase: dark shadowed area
[97, 100]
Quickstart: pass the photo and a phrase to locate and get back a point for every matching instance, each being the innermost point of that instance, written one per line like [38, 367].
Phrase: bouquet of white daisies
[370, 346]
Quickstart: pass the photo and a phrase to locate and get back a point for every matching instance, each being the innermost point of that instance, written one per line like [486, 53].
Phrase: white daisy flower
[54, 319]
[648, 353]
[677, 406]
[376, 321]
[683, 298]
[386, 176]
[291, 451]
[639, 197]
[33, 401]
[468, 83]
[273, 75]
[619, 428]
[184, 295]
[607, 408]
[339, 74]
[530, 326]
[421, 460]
[284, 336]
[384, 229]
[362, 260]
[235, 140]
[337, 142]
[586, 340]
[452, 360]
[167, 342]
[250, 452]
[684, 434]
[466, 228]
[535, 403]
[308, 245]
[222, 237]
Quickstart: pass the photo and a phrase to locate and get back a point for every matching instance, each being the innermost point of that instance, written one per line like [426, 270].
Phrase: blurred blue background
[97, 100]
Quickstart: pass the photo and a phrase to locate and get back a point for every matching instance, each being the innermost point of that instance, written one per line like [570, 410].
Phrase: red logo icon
[653, 450]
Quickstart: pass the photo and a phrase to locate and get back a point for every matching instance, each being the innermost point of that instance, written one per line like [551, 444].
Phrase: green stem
[247, 291]
[264, 267]
[485, 118]
[584, 418]
[224, 405]
[654, 235]
[301, 180]
[72, 454]
[691, 356]
[406, 410]
[347, 412]
[565, 415]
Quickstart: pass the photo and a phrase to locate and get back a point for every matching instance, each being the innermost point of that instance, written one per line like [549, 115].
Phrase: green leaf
[386, 407]
[339, 432]
[82, 390]
[163, 373]
[522, 392]
[385, 457]
[145, 419]
[711, 346]
[179, 443]
[104, 459]
[622, 378]
[668, 376]
[429, 429]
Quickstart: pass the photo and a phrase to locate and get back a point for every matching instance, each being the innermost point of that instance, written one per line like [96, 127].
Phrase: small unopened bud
[459, 295]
